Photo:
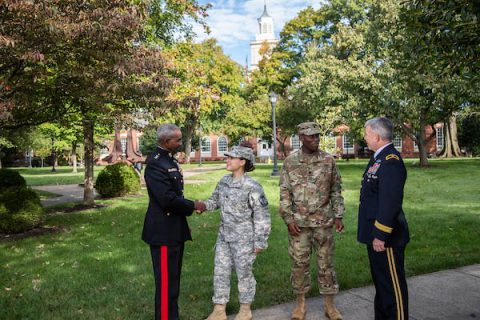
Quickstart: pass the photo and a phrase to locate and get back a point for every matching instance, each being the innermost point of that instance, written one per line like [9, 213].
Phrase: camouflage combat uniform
[310, 195]
[244, 226]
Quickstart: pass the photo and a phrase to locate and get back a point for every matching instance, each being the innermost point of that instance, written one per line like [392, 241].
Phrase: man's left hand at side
[378, 245]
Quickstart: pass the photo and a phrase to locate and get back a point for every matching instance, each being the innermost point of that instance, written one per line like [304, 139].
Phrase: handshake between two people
[200, 206]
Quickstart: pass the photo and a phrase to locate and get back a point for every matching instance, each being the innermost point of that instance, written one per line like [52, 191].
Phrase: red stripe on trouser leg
[164, 283]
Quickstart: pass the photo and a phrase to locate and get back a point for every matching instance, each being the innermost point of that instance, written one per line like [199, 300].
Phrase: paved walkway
[67, 192]
[445, 295]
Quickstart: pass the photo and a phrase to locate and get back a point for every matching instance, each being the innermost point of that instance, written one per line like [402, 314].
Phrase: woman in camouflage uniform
[244, 230]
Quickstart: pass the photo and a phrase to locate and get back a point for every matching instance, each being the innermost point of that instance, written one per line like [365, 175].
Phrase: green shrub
[11, 178]
[20, 210]
[117, 180]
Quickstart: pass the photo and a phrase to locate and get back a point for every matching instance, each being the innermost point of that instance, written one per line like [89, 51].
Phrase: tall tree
[170, 21]
[59, 58]
[314, 26]
[371, 68]
[207, 83]
[281, 72]
[448, 44]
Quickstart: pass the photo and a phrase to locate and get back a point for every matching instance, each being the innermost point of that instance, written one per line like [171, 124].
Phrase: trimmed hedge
[11, 178]
[20, 210]
[117, 180]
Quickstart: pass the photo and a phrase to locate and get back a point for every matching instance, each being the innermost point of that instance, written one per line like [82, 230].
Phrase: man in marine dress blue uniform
[165, 228]
[381, 222]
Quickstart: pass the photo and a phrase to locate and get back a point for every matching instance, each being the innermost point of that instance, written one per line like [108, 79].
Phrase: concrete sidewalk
[67, 193]
[445, 295]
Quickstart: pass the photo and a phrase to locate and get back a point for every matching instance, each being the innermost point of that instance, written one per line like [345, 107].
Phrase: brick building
[338, 143]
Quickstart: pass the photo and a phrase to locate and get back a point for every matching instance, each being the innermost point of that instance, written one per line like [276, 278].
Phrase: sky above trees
[234, 22]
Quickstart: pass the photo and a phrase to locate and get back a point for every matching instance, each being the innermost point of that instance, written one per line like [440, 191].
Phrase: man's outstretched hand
[200, 206]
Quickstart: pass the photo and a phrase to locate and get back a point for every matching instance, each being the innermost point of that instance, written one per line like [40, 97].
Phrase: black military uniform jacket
[380, 211]
[165, 220]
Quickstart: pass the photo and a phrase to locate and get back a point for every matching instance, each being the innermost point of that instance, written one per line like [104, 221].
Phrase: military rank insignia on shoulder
[392, 156]
[157, 156]
[172, 170]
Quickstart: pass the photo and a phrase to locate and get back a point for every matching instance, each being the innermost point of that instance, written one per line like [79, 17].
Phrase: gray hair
[381, 126]
[166, 131]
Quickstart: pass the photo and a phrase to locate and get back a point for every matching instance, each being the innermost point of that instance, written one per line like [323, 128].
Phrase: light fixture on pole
[53, 155]
[273, 101]
[200, 145]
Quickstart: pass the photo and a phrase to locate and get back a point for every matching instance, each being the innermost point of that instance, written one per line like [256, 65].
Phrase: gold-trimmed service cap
[241, 152]
[308, 128]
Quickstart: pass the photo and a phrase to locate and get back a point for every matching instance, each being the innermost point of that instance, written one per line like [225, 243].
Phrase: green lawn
[98, 268]
[64, 175]
[45, 176]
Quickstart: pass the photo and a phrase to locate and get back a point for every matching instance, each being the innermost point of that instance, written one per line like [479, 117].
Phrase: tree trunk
[188, 143]
[451, 147]
[283, 146]
[74, 156]
[88, 131]
[422, 150]
[421, 142]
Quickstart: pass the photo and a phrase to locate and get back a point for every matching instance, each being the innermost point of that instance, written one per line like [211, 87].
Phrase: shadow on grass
[35, 232]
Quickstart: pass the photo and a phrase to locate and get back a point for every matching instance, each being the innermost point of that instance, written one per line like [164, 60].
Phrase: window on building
[104, 152]
[295, 142]
[440, 139]
[222, 144]
[123, 141]
[397, 142]
[347, 142]
[206, 147]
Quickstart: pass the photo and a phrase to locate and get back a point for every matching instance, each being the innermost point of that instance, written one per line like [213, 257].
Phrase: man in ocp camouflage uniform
[311, 204]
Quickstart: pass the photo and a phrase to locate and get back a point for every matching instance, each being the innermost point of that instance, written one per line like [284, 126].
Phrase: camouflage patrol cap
[241, 152]
[308, 128]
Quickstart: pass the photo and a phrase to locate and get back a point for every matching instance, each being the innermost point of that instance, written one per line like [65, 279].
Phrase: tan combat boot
[299, 311]
[330, 311]
[218, 312]
[245, 313]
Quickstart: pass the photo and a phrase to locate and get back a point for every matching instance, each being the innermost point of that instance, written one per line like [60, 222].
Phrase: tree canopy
[94, 59]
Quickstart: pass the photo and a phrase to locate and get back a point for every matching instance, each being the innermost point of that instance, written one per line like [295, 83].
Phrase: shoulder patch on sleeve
[392, 156]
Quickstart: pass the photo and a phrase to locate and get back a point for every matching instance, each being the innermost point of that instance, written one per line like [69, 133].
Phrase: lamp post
[53, 155]
[200, 146]
[273, 101]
